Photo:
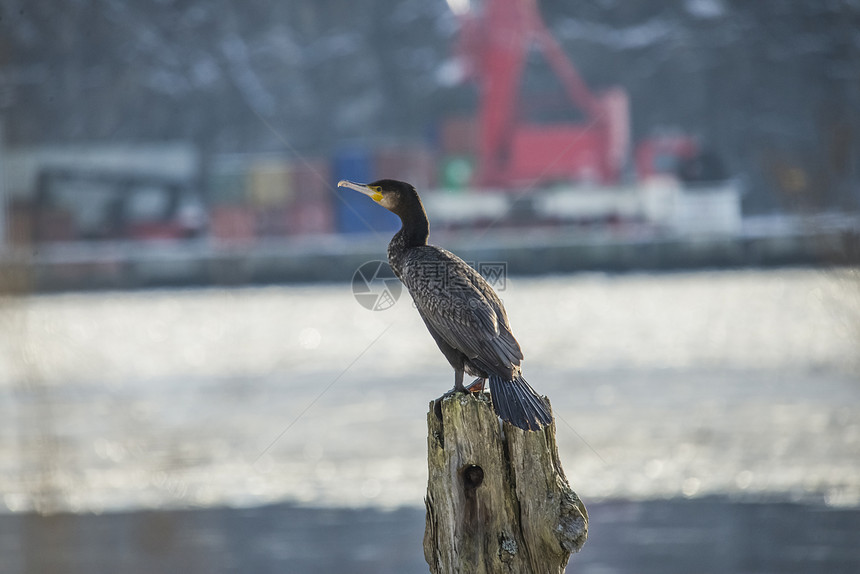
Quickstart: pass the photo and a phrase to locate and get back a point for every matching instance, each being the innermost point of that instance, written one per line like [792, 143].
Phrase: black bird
[462, 312]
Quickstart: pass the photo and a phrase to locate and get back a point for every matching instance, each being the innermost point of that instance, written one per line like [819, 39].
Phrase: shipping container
[311, 217]
[226, 180]
[311, 210]
[233, 223]
[312, 179]
[269, 183]
[272, 221]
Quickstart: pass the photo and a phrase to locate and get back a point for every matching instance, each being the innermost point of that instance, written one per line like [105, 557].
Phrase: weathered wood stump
[497, 498]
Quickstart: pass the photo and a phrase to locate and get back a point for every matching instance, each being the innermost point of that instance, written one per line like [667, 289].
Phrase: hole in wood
[473, 477]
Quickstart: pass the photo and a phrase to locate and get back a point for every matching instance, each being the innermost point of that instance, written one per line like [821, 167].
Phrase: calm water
[730, 386]
[703, 535]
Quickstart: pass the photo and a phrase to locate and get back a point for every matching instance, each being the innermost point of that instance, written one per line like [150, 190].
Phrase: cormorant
[462, 312]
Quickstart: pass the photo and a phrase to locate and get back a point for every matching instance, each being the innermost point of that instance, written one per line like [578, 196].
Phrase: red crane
[513, 152]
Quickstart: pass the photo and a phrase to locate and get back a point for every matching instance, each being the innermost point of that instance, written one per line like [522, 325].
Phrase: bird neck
[414, 226]
[414, 231]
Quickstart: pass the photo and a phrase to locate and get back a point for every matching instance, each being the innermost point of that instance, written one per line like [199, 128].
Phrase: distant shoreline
[334, 258]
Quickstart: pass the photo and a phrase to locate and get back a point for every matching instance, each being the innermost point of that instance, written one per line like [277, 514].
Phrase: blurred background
[195, 377]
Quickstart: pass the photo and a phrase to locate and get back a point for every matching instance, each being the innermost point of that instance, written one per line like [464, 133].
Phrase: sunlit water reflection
[739, 383]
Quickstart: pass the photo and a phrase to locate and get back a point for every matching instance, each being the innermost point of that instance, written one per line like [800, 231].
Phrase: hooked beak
[370, 192]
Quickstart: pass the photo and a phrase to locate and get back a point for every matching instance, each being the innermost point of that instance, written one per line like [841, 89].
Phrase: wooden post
[497, 498]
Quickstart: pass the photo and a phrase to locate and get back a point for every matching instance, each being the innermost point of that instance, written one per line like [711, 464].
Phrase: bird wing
[461, 306]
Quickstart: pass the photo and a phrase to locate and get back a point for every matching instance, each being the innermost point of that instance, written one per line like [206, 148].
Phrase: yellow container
[270, 183]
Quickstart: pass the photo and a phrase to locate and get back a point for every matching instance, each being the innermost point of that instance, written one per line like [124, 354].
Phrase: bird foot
[477, 386]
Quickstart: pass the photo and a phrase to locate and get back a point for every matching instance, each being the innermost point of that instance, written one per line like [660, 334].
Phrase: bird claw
[477, 386]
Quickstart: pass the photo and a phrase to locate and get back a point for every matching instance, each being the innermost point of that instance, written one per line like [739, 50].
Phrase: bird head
[397, 197]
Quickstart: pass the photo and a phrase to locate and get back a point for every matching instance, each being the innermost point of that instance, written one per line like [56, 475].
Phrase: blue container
[357, 213]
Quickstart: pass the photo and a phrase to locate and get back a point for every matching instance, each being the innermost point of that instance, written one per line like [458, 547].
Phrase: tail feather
[517, 403]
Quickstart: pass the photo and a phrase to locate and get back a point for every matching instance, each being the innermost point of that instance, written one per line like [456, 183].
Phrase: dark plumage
[462, 312]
